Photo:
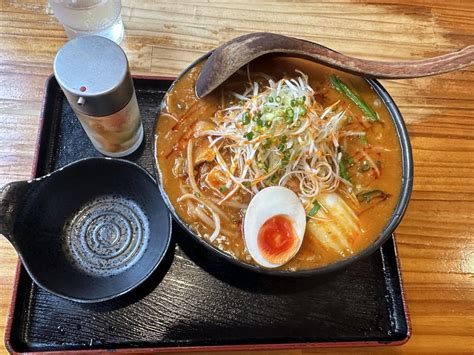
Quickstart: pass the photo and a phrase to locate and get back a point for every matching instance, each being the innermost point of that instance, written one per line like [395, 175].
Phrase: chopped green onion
[247, 184]
[223, 188]
[344, 89]
[301, 111]
[262, 166]
[293, 102]
[343, 170]
[270, 99]
[268, 124]
[316, 207]
[267, 142]
[279, 113]
[282, 147]
[301, 100]
[278, 99]
[245, 118]
[284, 139]
[364, 140]
[249, 135]
[289, 113]
[197, 194]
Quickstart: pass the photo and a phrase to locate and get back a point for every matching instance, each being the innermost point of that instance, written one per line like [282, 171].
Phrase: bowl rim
[387, 231]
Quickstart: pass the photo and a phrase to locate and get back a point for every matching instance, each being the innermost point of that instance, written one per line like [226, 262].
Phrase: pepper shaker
[94, 75]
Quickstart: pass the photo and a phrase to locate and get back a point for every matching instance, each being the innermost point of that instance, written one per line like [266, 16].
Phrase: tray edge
[11, 310]
[177, 349]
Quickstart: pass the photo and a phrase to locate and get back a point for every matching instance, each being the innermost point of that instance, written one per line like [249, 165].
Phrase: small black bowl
[90, 231]
[395, 219]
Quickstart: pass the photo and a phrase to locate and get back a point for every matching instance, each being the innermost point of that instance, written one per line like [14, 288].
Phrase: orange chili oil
[277, 239]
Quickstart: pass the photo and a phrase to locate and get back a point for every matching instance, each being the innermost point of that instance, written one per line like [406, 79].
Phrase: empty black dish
[90, 231]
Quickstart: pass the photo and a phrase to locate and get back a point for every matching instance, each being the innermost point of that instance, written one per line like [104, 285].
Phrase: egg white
[267, 203]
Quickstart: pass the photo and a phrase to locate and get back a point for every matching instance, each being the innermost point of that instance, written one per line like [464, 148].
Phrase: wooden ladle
[231, 56]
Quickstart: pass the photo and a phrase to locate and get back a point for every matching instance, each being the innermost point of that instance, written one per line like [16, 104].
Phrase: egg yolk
[277, 239]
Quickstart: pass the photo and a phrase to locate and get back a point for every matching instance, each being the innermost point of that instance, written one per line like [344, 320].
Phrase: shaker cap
[94, 75]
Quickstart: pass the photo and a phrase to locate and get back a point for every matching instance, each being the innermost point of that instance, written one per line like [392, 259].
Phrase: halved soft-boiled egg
[274, 226]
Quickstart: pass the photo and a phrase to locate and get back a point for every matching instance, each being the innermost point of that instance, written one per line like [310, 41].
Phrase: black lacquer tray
[196, 301]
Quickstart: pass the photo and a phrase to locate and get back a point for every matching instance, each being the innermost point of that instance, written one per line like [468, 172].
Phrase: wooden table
[436, 236]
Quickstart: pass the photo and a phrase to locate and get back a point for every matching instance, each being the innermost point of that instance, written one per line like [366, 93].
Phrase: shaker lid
[94, 75]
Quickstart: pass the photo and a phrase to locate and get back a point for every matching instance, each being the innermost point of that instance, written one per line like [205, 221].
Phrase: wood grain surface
[436, 237]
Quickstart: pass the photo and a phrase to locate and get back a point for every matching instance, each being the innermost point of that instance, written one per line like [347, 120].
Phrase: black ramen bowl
[392, 223]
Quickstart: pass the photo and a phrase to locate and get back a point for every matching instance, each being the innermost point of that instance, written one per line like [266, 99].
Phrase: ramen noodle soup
[288, 165]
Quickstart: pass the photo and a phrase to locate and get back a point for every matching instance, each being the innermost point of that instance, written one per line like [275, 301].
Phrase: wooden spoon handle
[231, 56]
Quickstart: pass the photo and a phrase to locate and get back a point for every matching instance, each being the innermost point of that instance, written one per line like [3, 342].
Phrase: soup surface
[323, 134]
